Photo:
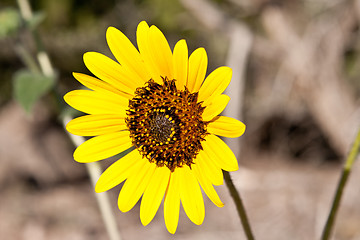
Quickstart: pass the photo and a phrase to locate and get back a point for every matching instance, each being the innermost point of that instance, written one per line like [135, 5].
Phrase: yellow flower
[157, 102]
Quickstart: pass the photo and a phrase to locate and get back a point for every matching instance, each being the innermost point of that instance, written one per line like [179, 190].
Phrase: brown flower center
[165, 124]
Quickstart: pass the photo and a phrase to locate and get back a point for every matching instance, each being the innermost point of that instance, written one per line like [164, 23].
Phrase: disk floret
[166, 124]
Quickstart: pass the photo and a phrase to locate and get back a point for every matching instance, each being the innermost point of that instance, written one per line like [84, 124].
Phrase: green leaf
[30, 87]
[9, 21]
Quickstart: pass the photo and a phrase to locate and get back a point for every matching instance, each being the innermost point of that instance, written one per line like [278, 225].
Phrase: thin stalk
[43, 64]
[25, 9]
[94, 170]
[27, 59]
[239, 205]
[340, 188]
[42, 56]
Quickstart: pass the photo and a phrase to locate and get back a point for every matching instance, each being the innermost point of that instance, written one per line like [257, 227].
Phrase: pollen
[166, 124]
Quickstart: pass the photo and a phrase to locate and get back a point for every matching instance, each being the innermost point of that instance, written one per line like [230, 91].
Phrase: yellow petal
[205, 162]
[97, 84]
[197, 69]
[125, 52]
[191, 196]
[215, 84]
[95, 102]
[142, 37]
[135, 186]
[103, 146]
[172, 203]
[99, 124]
[119, 171]
[207, 186]
[226, 127]
[220, 153]
[111, 72]
[153, 194]
[181, 62]
[215, 107]
[161, 52]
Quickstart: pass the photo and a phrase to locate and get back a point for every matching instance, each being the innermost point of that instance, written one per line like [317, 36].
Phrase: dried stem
[94, 170]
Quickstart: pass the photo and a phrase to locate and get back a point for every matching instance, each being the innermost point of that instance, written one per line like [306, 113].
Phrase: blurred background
[295, 85]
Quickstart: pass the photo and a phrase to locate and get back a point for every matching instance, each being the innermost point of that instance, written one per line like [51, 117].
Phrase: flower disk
[165, 124]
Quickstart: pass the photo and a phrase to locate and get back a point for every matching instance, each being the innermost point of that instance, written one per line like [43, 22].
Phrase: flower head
[156, 101]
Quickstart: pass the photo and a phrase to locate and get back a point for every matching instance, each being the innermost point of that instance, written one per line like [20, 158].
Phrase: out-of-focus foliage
[29, 87]
[9, 21]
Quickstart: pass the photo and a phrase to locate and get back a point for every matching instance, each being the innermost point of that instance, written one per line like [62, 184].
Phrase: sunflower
[157, 103]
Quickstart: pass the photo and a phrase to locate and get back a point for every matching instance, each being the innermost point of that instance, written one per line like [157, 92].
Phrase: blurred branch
[27, 59]
[312, 64]
[42, 56]
[240, 43]
[208, 15]
[25, 9]
[94, 170]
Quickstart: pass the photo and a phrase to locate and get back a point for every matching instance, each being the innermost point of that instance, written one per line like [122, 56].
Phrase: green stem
[27, 59]
[239, 205]
[340, 188]
[42, 56]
